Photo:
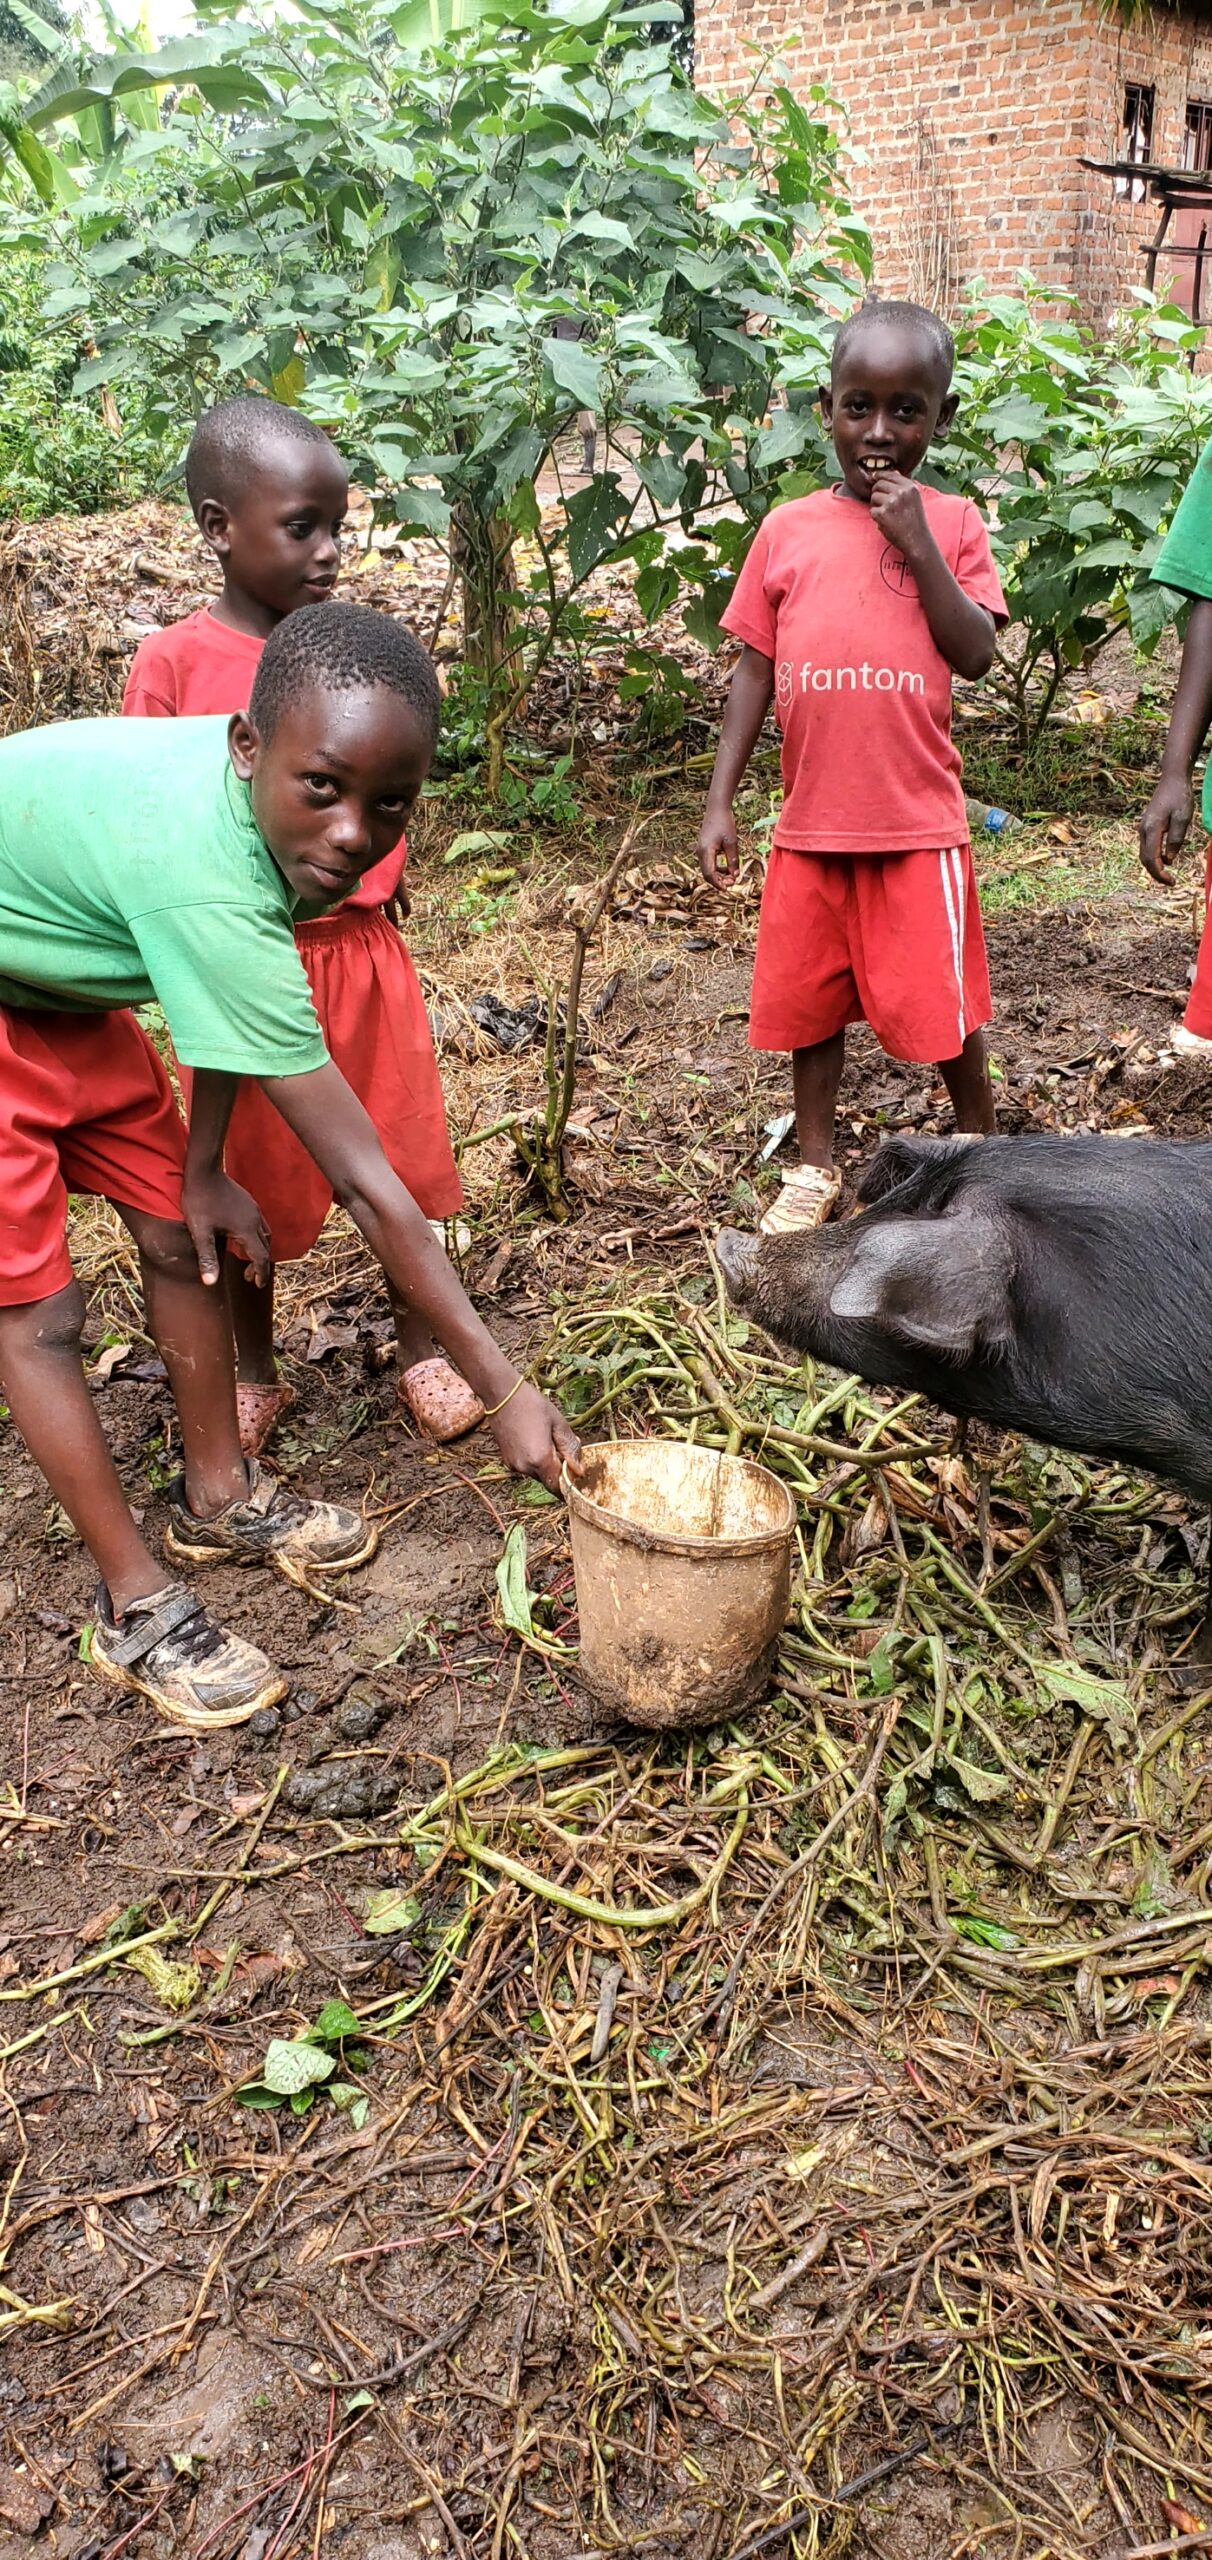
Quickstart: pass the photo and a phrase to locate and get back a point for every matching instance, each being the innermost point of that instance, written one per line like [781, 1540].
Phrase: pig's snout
[737, 1257]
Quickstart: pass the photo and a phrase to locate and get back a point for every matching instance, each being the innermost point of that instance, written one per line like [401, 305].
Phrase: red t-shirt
[200, 666]
[862, 693]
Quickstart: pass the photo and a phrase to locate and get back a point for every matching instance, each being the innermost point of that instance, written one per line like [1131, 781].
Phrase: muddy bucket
[683, 1573]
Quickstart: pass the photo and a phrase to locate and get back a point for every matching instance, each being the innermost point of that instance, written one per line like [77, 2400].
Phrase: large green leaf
[22, 141]
[594, 516]
[576, 371]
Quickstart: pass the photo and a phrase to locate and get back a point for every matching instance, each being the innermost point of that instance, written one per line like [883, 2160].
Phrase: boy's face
[280, 540]
[333, 787]
[884, 404]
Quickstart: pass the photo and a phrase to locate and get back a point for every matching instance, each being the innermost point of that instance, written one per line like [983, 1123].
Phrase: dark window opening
[1197, 139]
[1139, 100]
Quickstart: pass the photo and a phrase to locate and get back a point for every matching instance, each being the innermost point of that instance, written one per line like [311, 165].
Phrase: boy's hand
[534, 1438]
[1164, 826]
[896, 507]
[717, 849]
[212, 1205]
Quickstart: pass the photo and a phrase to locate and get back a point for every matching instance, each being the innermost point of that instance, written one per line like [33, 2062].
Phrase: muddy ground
[695, 2241]
[278, 2336]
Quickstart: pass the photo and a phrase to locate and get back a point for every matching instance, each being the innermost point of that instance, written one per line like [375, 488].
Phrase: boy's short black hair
[342, 648]
[233, 440]
[913, 318]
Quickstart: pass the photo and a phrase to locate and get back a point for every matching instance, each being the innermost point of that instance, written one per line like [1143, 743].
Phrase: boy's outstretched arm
[744, 713]
[1168, 816]
[327, 1117]
[960, 628]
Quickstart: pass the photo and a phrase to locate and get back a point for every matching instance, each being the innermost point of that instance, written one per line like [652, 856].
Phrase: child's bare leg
[414, 1341]
[816, 1074]
[43, 1379]
[189, 1325]
[252, 1321]
[439, 1400]
[968, 1083]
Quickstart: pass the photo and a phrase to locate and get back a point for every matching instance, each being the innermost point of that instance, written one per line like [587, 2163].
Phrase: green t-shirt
[132, 869]
[1185, 561]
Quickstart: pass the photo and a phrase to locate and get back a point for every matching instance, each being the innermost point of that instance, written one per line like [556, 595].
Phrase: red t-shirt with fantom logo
[863, 694]
[200, 666]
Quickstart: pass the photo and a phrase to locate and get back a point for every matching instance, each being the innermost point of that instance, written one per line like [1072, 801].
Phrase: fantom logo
[807, 678]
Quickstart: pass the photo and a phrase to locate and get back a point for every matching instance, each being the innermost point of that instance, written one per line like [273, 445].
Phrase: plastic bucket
[682, 1560]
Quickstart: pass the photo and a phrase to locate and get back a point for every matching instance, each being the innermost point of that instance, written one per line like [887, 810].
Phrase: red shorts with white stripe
[893, 939]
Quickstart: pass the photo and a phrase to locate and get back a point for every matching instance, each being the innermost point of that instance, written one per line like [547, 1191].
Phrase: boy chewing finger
[855, 607]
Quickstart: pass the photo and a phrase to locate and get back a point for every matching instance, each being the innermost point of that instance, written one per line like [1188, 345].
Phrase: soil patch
[874, 2214]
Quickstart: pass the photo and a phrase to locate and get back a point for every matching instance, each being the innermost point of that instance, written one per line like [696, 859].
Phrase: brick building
[968, 121]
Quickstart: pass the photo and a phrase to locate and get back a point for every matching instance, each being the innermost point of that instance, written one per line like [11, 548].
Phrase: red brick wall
[965, 122]
[1176, 56]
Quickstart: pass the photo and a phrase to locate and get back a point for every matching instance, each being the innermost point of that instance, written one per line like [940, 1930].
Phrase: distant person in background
[270, 492]
[586, 423]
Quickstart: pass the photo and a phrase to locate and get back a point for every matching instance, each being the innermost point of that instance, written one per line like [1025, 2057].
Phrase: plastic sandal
[440, 1401]
[259, 1410]
[809, 1196]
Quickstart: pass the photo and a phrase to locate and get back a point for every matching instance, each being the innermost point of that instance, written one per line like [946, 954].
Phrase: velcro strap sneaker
[168, 1650]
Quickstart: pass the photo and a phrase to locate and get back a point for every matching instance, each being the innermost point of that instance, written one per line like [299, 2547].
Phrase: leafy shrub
[393, 238]
[1079, 448]
[57, 454]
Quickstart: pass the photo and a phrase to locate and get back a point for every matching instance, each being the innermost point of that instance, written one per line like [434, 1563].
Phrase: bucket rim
[597, 1515]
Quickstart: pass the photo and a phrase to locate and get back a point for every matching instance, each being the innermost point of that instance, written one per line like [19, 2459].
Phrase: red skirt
[1198, 1014]
[372, 1013]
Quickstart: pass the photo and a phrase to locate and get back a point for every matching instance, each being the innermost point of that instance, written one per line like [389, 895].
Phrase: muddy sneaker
[169, 1651]
[809, 1196]
[272, 1526]
[1189, 1044]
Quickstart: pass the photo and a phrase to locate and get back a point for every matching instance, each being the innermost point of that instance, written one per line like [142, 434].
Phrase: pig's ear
[898, 1160]
[943, 1283]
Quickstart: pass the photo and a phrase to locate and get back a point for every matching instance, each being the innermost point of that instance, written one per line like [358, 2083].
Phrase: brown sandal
[259, 1410]
[441, 1403]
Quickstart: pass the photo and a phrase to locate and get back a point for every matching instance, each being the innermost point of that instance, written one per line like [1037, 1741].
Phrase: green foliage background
[385, 213]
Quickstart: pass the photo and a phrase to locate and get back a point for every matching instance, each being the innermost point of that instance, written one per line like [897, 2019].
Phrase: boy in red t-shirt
[270, 493]
[856, 605]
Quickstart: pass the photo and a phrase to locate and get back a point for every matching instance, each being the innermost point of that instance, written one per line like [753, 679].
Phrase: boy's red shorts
[85, 1105]
[372, 1013]
[893, 939]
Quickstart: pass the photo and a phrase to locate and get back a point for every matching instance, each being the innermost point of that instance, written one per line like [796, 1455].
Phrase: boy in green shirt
[1185, 562]
[143, 860]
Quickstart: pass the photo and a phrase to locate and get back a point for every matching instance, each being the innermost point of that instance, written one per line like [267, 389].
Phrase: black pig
[1057, 1286]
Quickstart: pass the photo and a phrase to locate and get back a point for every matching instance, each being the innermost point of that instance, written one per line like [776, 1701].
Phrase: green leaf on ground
[390, 1911]
[292, 2065]
[983, 1785]
[1106, 1701]
[336, 2019]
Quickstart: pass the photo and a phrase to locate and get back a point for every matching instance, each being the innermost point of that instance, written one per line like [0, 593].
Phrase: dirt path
[764, 2259]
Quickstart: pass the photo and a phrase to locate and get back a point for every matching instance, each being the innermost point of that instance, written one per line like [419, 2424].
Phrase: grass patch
[1070, 771]
[1041, 875]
